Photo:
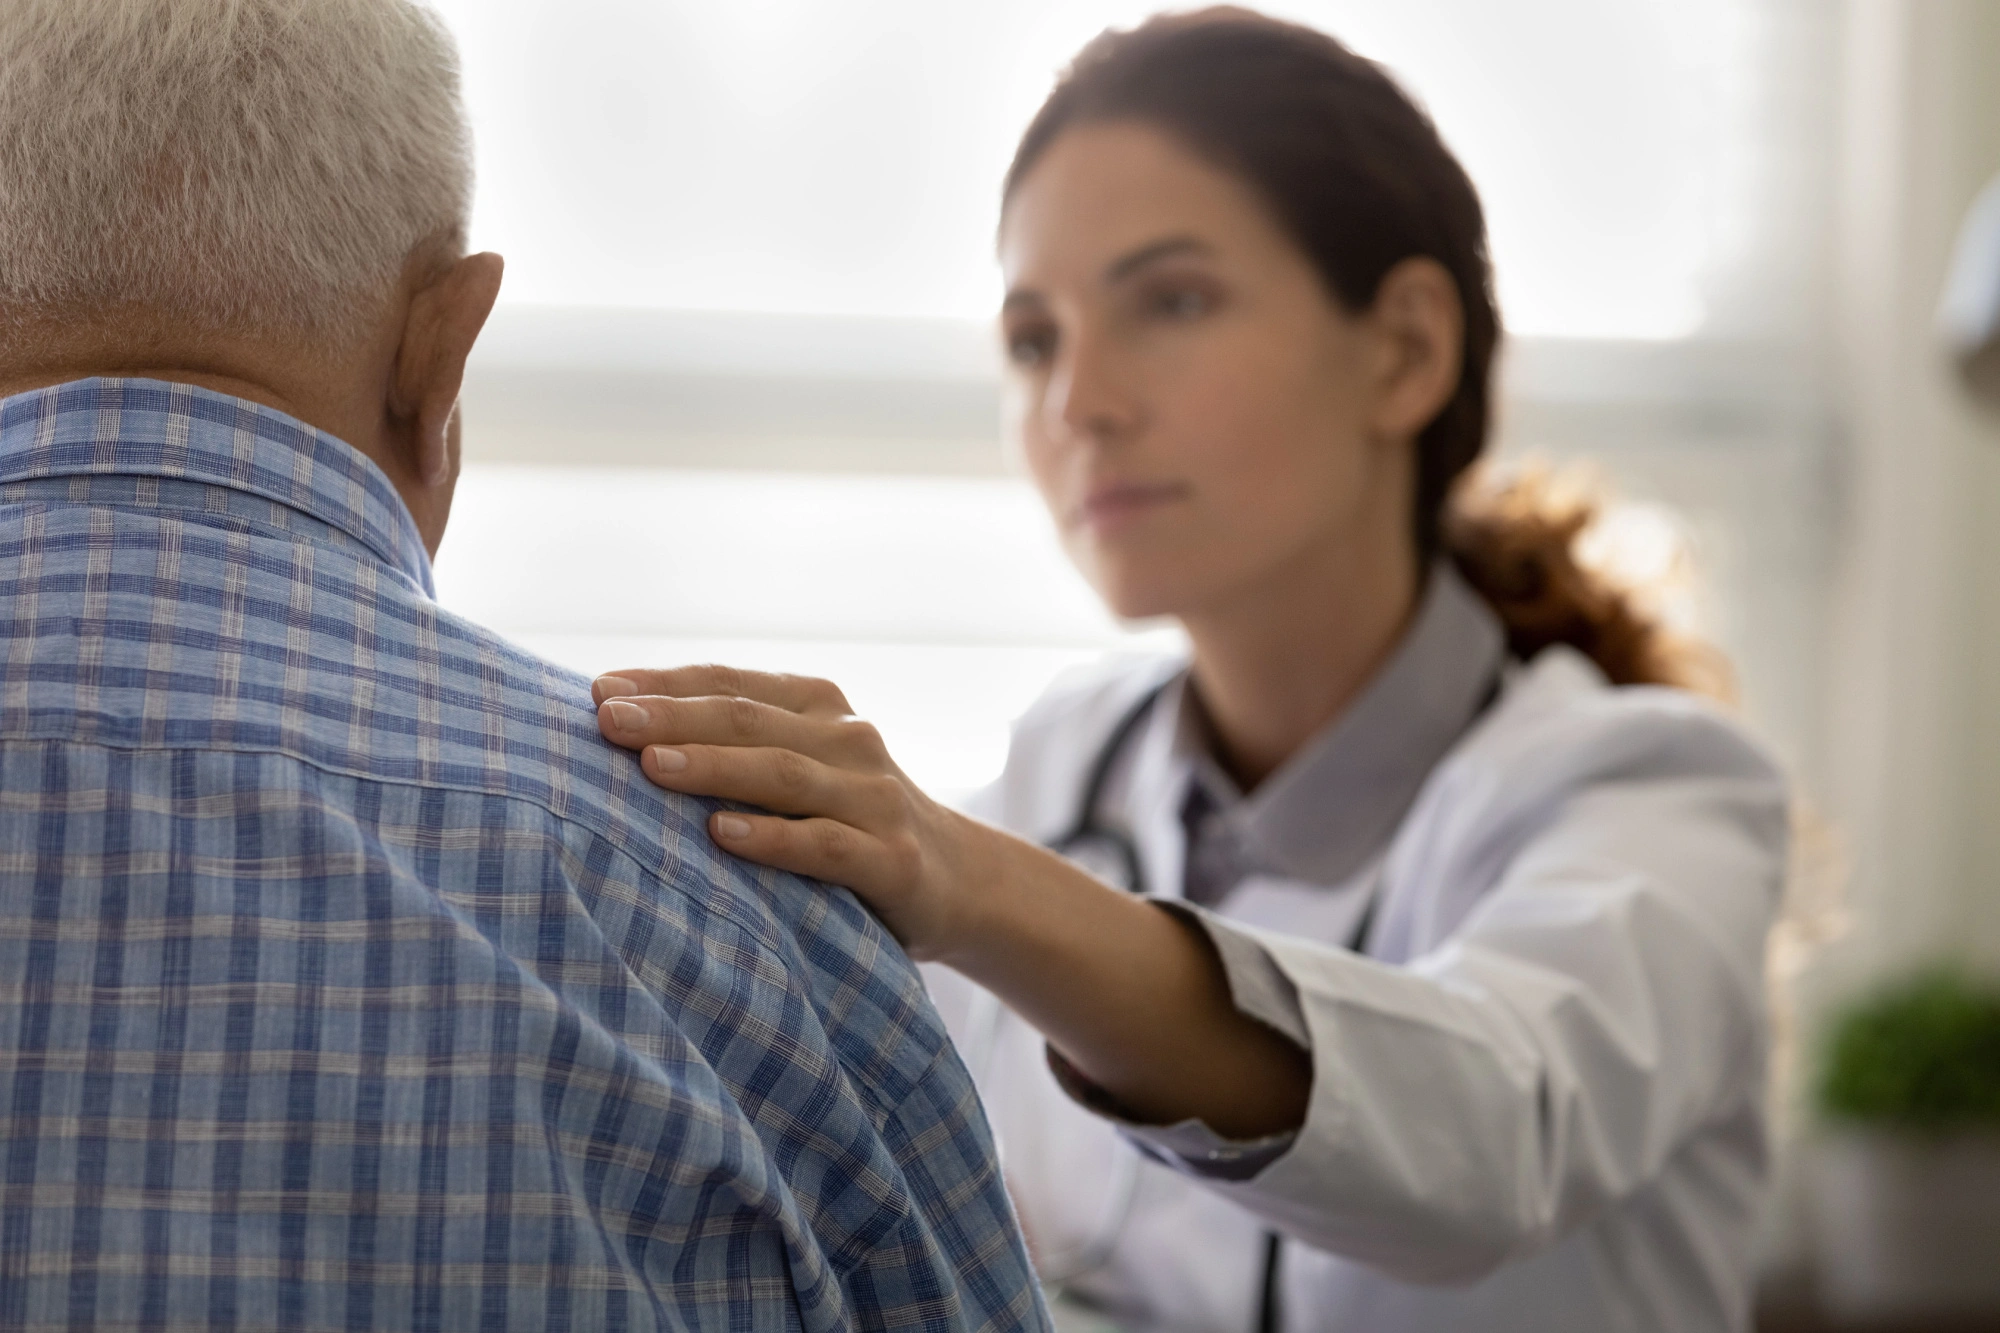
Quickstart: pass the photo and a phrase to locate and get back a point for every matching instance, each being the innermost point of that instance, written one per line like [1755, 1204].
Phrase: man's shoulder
[215, 636]
[332, 663]
[515, 724]
[221, 636]
[444, 702]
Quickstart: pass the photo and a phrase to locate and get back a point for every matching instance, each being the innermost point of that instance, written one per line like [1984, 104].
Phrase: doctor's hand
[1134, 996]
[793, 745]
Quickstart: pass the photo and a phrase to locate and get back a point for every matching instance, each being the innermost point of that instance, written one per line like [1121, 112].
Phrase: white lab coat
[1536, 1107]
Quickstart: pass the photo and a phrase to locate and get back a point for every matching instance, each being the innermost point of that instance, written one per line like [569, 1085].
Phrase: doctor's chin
[1054, 666]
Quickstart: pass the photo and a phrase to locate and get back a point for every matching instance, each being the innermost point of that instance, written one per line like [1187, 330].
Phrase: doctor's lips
[1112, 505]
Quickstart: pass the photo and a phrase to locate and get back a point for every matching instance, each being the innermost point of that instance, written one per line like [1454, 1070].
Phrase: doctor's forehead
[1105, 200]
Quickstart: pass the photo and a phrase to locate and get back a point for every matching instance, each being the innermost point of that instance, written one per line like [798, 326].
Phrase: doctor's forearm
[1133, 997]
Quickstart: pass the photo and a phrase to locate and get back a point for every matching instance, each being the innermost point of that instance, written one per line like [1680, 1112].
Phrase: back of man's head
[266, 198]
[229, 165]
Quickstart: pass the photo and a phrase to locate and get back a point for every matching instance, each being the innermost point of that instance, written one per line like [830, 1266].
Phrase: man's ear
[444, 321]
[1420, 324]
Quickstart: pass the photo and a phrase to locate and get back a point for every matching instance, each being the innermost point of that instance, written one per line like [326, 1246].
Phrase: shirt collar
[1336, 804]
[149, 428]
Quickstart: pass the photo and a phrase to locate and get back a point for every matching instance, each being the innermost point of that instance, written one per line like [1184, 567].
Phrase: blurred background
[740, 401]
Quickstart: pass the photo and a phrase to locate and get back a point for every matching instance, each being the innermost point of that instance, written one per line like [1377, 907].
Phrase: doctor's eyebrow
[1124, 267]
[1118, 270]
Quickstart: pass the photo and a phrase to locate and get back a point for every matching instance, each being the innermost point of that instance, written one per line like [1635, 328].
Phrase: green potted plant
[1907, 1198]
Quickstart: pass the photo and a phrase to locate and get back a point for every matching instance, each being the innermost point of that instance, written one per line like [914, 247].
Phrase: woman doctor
[1407, 973]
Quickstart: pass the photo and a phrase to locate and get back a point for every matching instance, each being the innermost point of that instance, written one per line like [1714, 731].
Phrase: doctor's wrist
[979, 908]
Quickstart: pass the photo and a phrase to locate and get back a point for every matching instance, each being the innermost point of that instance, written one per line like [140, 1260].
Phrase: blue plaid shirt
[349, 980]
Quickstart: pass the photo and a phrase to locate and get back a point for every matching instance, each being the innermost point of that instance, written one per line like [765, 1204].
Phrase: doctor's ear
[444, 321]
[1418, 328]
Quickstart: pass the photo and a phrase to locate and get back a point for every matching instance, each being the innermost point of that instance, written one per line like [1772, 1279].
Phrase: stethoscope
[1111, 855]
[1114, 849]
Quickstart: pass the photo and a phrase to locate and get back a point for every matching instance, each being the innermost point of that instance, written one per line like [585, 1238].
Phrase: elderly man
[348, 979]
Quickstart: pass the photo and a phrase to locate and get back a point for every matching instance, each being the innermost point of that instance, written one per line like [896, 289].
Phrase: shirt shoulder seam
[721, 908]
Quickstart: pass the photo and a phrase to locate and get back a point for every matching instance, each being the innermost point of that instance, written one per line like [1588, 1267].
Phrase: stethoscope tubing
[1058, 1272]
[1084, 827]
[987, 1016]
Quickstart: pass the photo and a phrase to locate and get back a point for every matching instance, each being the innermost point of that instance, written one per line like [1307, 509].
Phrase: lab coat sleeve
[1599, 1005]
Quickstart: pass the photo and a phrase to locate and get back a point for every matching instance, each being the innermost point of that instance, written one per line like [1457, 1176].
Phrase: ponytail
[1515, 540]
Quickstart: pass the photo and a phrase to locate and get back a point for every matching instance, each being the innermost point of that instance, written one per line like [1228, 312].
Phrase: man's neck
[344, 417]
[336, 388]
[233, 386]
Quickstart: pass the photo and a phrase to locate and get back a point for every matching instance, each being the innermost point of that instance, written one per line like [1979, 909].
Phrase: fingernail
[729, 826]
[610, 687]
[667, 759]
[626, 716]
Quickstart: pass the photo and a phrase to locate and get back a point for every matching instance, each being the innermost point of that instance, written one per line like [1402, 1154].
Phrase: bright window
[940, 604]
[808, 155]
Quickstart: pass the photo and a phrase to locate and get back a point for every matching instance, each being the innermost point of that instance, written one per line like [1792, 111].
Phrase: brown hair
[1358, 176]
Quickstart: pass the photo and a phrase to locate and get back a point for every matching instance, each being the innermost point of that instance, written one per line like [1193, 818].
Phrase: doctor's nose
[1087, 401]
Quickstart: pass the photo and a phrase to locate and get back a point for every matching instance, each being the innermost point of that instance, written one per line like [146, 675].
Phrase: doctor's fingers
[823, 849]
[794, 694]
[781, 780]
[843, 740]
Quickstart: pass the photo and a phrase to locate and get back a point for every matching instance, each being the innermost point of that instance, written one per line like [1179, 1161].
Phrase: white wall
[1909, 776]
[1913, 774]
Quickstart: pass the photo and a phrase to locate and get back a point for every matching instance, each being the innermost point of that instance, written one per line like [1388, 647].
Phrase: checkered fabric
[349, 980]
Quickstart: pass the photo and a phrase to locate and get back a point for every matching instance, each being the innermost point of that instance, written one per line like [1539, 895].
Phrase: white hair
[242, 165]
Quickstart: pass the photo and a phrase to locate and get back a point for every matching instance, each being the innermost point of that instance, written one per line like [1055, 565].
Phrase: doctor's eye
[1179, 302]
[1031, 345]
